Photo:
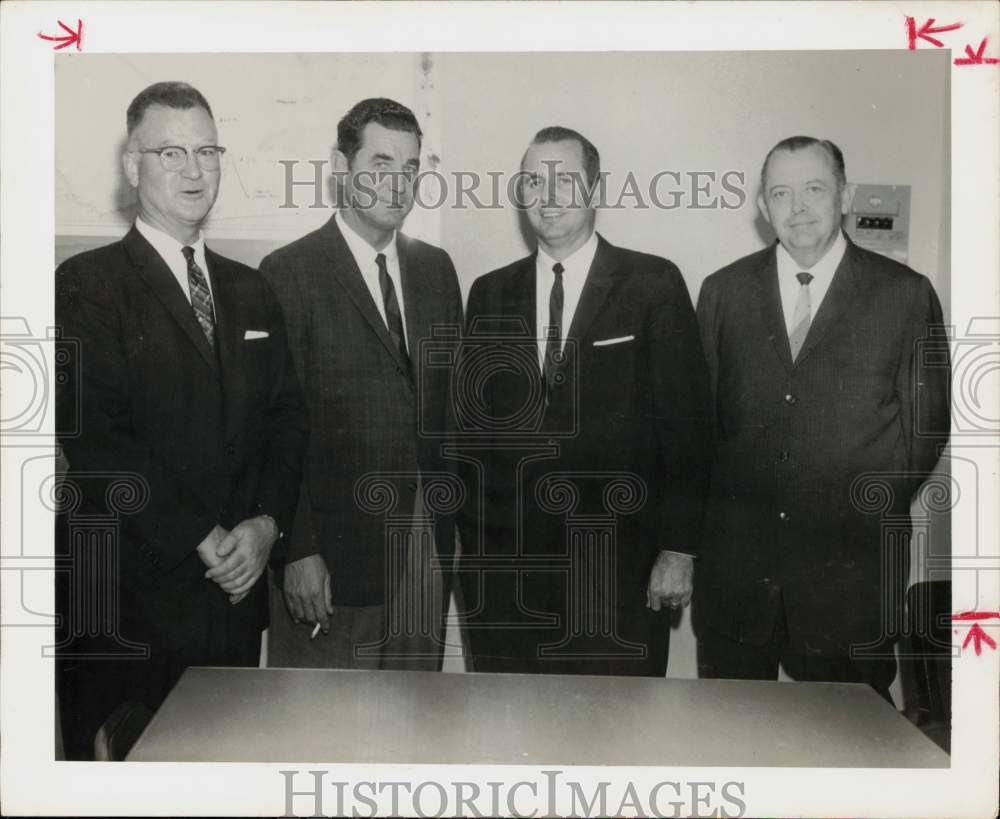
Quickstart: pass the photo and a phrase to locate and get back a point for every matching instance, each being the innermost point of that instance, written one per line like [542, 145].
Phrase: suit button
[784, 517]
[782, 457]
[230, 450]
[791, 399]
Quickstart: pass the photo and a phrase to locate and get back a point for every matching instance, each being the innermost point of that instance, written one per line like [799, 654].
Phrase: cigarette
[314, 632]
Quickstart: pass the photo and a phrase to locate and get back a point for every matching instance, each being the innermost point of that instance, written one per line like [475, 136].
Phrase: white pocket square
[250, 335]
[604, 342]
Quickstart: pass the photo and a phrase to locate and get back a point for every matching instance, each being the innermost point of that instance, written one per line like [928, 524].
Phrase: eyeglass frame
[187, 154]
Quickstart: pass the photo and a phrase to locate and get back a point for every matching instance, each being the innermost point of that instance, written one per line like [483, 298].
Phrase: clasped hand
[237, 558]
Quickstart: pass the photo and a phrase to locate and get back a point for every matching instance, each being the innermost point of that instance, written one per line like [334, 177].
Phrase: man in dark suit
[187, 395]
[591, 503]
[360, 299]
[819, 354]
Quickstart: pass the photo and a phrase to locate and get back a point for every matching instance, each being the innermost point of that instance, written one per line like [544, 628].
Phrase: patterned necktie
[393, 317]
[201, 296]
[802, 316]
[553, 333]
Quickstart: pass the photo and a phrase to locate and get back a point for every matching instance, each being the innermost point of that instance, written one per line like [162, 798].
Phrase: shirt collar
[579, 260]
[364, 254]
[165, 244]
[823, 269]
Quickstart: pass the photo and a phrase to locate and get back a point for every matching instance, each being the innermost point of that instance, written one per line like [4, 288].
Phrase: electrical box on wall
[879, 220]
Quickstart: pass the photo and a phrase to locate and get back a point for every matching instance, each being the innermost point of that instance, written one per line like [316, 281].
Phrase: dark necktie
[802, 316]
[393, 317]
[553, 340]
[201, 296]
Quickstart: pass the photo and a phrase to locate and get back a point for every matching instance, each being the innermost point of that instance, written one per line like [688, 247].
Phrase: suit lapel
[603, 274]
[158, 277]
[346, 273]
[769, 306]
[835, 302]
[418, 306]
[518, 302]
[601, 277]
[227, 339]
[519, 298]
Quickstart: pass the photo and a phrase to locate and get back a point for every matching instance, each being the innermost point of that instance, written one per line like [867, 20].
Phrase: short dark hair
[558, 133]
[177, 95]
[797, 143]
[381, 110]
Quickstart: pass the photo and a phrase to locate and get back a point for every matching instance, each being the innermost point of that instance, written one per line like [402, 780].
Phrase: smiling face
[175, 202]
[554, 180]
[804, 202]
[379, 181]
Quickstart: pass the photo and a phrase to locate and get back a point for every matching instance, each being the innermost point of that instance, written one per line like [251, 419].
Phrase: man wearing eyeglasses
[186, 390]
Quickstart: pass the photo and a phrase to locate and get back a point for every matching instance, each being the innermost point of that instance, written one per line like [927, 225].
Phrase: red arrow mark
[925, 31]
[976, 615]
[977, 637]
[71, 38]
[976, 58]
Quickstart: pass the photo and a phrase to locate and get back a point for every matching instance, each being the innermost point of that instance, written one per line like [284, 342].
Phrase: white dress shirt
[575, 270]
[364, 255]
[170, 251]
[822, 272]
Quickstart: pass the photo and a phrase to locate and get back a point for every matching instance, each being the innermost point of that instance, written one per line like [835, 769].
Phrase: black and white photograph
[501, 410]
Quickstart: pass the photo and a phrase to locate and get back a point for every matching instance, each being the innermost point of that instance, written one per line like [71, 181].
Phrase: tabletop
[286, 715]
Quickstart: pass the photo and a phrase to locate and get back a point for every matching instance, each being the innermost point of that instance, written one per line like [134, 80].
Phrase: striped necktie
[201, 296]
[802, 316]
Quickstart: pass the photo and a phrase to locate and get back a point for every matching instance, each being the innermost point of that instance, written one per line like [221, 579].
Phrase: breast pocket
[608, 364]
[613, 341]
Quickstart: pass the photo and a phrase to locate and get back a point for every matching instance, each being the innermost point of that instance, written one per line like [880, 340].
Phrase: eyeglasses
[175, 157]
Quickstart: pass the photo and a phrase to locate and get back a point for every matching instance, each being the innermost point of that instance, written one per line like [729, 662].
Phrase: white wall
[649, 112]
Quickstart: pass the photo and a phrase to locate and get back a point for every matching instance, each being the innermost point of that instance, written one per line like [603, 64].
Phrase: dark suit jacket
[790, 509]
[637, 406]
[367, 413]
[216, 440]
